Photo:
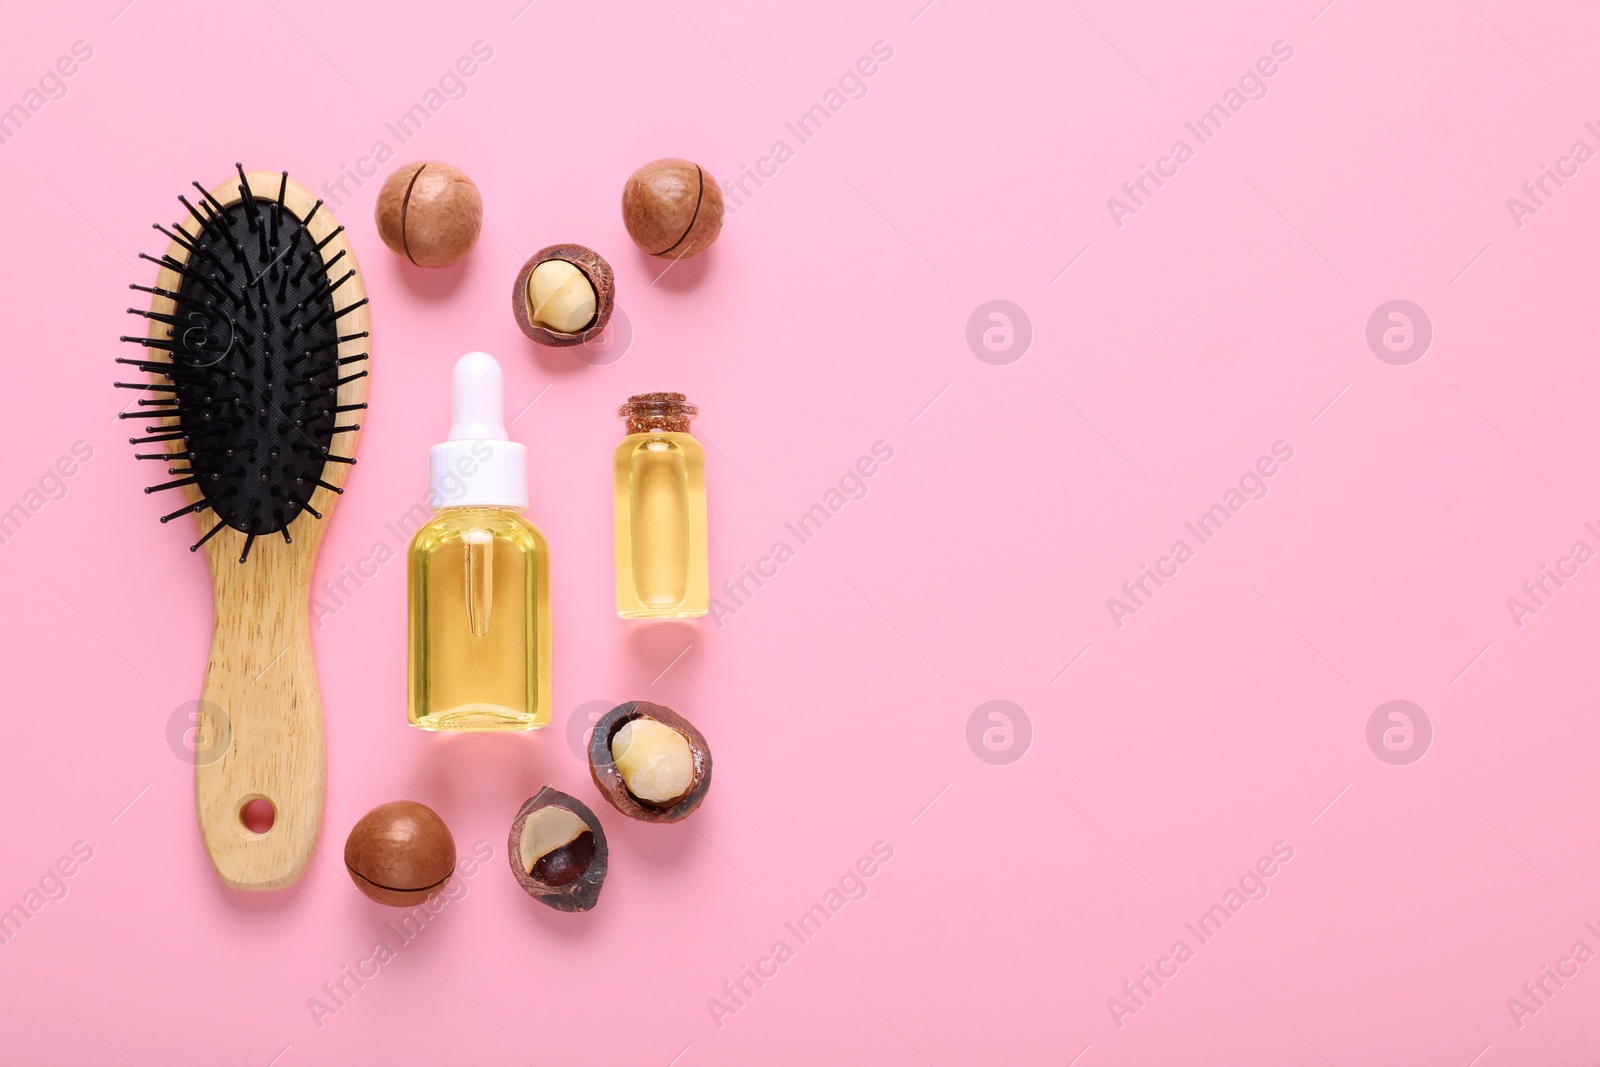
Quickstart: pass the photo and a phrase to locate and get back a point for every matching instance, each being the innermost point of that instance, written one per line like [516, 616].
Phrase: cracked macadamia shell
[594, 269]
[400, 853]
[608, 776]
[558, 851]
[672, 208]
[429, 213]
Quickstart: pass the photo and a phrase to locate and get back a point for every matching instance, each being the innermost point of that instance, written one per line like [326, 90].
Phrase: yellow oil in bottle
[660, 508]
[479, 583]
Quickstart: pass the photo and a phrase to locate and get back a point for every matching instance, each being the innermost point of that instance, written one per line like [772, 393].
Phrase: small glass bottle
[479, 576]
[660, 480]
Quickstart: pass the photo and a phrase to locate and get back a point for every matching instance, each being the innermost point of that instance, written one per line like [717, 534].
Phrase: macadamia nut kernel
[654, 760]
[560, 296]
[547, 830]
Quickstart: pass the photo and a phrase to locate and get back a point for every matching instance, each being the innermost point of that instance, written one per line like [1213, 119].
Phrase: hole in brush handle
[257, 815]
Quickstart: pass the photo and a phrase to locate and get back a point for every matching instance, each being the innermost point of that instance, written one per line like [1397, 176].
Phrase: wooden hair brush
[256, 352]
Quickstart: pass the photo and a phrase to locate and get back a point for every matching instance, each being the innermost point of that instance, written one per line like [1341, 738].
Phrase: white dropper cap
[478, 466]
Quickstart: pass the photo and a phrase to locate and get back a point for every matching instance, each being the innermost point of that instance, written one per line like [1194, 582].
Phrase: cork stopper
[658, 413]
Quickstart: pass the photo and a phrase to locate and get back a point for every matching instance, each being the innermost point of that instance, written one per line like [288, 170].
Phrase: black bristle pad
[255, 361]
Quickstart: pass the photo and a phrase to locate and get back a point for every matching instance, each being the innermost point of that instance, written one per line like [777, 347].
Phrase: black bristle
[186, 510]
[337, 230]
[156, 316]
[248, 197]
[246, 373]
[150, 342]
[324, 290]
[328, 290]
[216, 211]
[201, 219]
[171, 485]
[176, 235]
[277, 209]
[181, 299]
[209, 534]
[212, 204]
[199, 252]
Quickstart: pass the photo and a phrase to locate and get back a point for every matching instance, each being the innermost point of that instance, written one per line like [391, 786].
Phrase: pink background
[1167, 755]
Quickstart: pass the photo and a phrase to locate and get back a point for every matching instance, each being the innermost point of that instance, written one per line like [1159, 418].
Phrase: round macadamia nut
[400, 853]
[430, 213]
[672, 208]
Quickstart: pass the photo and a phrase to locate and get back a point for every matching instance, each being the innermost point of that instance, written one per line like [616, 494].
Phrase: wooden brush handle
[261, 701]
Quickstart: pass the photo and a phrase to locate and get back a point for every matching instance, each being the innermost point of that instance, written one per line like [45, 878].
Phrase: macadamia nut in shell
[429, 213]
[400, 853]
[558, 851]
[672, 208]
[651, 763]
[563, 295]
